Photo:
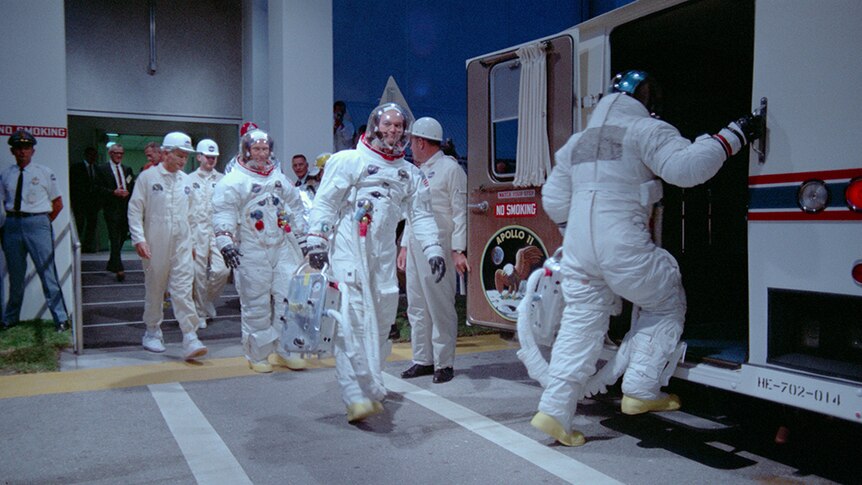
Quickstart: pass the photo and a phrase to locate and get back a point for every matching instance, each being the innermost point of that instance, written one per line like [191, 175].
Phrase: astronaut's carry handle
[676, 357]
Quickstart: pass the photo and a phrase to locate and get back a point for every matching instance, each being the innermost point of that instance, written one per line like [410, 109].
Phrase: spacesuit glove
[231, 254]
[317, 250]
[438, 267]
[751, 127]
[317, 258]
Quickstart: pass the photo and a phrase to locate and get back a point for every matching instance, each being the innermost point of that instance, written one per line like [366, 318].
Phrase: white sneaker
[192, 347]
[153, 342]
[202, 322]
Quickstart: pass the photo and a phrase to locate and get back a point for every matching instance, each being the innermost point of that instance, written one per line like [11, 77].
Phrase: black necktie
[90, 171]
[18, 190]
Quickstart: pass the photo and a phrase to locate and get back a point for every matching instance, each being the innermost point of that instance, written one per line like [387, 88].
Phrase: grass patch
[32, 346]
[463, 329]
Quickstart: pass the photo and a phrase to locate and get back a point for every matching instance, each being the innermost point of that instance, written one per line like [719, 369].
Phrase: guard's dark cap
[21, 138]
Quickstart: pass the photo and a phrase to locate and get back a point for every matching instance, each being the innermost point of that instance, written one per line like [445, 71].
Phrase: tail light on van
[853, 195]
[857, 272]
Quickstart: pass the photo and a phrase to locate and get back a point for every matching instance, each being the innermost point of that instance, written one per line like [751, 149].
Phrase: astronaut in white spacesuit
[365, 193]
[161, 226]
[431, 306]
[211, 273]
[604, 184]
[259, 229]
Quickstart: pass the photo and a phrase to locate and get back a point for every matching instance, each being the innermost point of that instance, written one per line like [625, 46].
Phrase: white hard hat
[178, 140]
[428, 128]
[208, 148]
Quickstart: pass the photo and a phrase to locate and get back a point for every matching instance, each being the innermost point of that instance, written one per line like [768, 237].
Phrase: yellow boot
[261, 367]
[363, 409]
[553, 428]
[293, 363]
[633, 405]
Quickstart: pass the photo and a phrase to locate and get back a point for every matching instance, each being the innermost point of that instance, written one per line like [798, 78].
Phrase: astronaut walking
[159, 221]
[259, 229]
[211, 274]
[365, 193]
[604, 185]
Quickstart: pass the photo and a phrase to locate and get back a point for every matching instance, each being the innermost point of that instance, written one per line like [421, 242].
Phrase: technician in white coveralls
[161, 227]
[365, 193]
[211, 273]
[604, 184]
[431, 306]
[259, 229]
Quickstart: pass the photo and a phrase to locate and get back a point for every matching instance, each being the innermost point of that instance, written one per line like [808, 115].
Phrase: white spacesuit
[161, 227]
[431, 306]
[604, 184]
[365, 193]
[257, 222]
[211, 273]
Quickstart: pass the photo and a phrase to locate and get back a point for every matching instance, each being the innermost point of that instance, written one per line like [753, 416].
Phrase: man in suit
[115, 182]
[86, 202]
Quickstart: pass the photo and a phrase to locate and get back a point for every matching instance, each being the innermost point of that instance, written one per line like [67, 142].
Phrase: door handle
[480, 208]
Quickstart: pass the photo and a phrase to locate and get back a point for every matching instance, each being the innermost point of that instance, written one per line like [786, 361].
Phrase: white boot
[153, 341]
[192, 347]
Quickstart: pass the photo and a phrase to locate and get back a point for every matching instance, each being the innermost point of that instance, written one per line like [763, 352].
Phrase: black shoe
[61, 327]
[121, 276]
[417, 370]
[443, 375]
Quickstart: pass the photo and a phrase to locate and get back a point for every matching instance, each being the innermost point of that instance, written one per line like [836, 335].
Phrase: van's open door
[509, 234]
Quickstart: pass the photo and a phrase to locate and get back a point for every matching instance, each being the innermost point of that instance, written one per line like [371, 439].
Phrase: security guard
[32, 202]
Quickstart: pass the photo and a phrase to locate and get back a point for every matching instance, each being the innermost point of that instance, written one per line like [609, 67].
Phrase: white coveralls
[604, 185]
[250, 210]
[160, 215]
[431, 306]
[211, 273]
[365, 266]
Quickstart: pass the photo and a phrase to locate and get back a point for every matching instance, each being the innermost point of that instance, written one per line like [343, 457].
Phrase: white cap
[313, 170]
[428, 128]
[208, 148]
[178, 140]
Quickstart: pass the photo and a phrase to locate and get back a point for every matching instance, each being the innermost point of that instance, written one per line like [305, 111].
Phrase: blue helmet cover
[627, 82]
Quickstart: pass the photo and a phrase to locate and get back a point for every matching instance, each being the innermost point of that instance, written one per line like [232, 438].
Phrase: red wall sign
[522, 209]
[37, 131]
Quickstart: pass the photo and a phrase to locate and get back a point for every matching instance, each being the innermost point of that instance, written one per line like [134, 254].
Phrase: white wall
[300, 69]
[198, 58]
[34, 94]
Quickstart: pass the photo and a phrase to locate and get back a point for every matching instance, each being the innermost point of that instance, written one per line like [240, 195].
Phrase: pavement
[124, 415]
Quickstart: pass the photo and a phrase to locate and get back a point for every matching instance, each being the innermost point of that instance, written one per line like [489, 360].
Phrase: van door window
[505, 84]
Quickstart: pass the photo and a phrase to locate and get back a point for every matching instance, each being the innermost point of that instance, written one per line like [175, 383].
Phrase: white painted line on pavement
[548, 459]
[208, 457]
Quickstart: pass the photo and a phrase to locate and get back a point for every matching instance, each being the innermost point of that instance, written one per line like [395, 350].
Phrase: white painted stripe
[207, 455]
[140, 322]
[546, 458]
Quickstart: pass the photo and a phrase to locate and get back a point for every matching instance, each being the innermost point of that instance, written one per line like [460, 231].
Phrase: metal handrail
[78, 320]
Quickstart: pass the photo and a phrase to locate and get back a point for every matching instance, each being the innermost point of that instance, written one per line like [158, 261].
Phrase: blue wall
[425, 45]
